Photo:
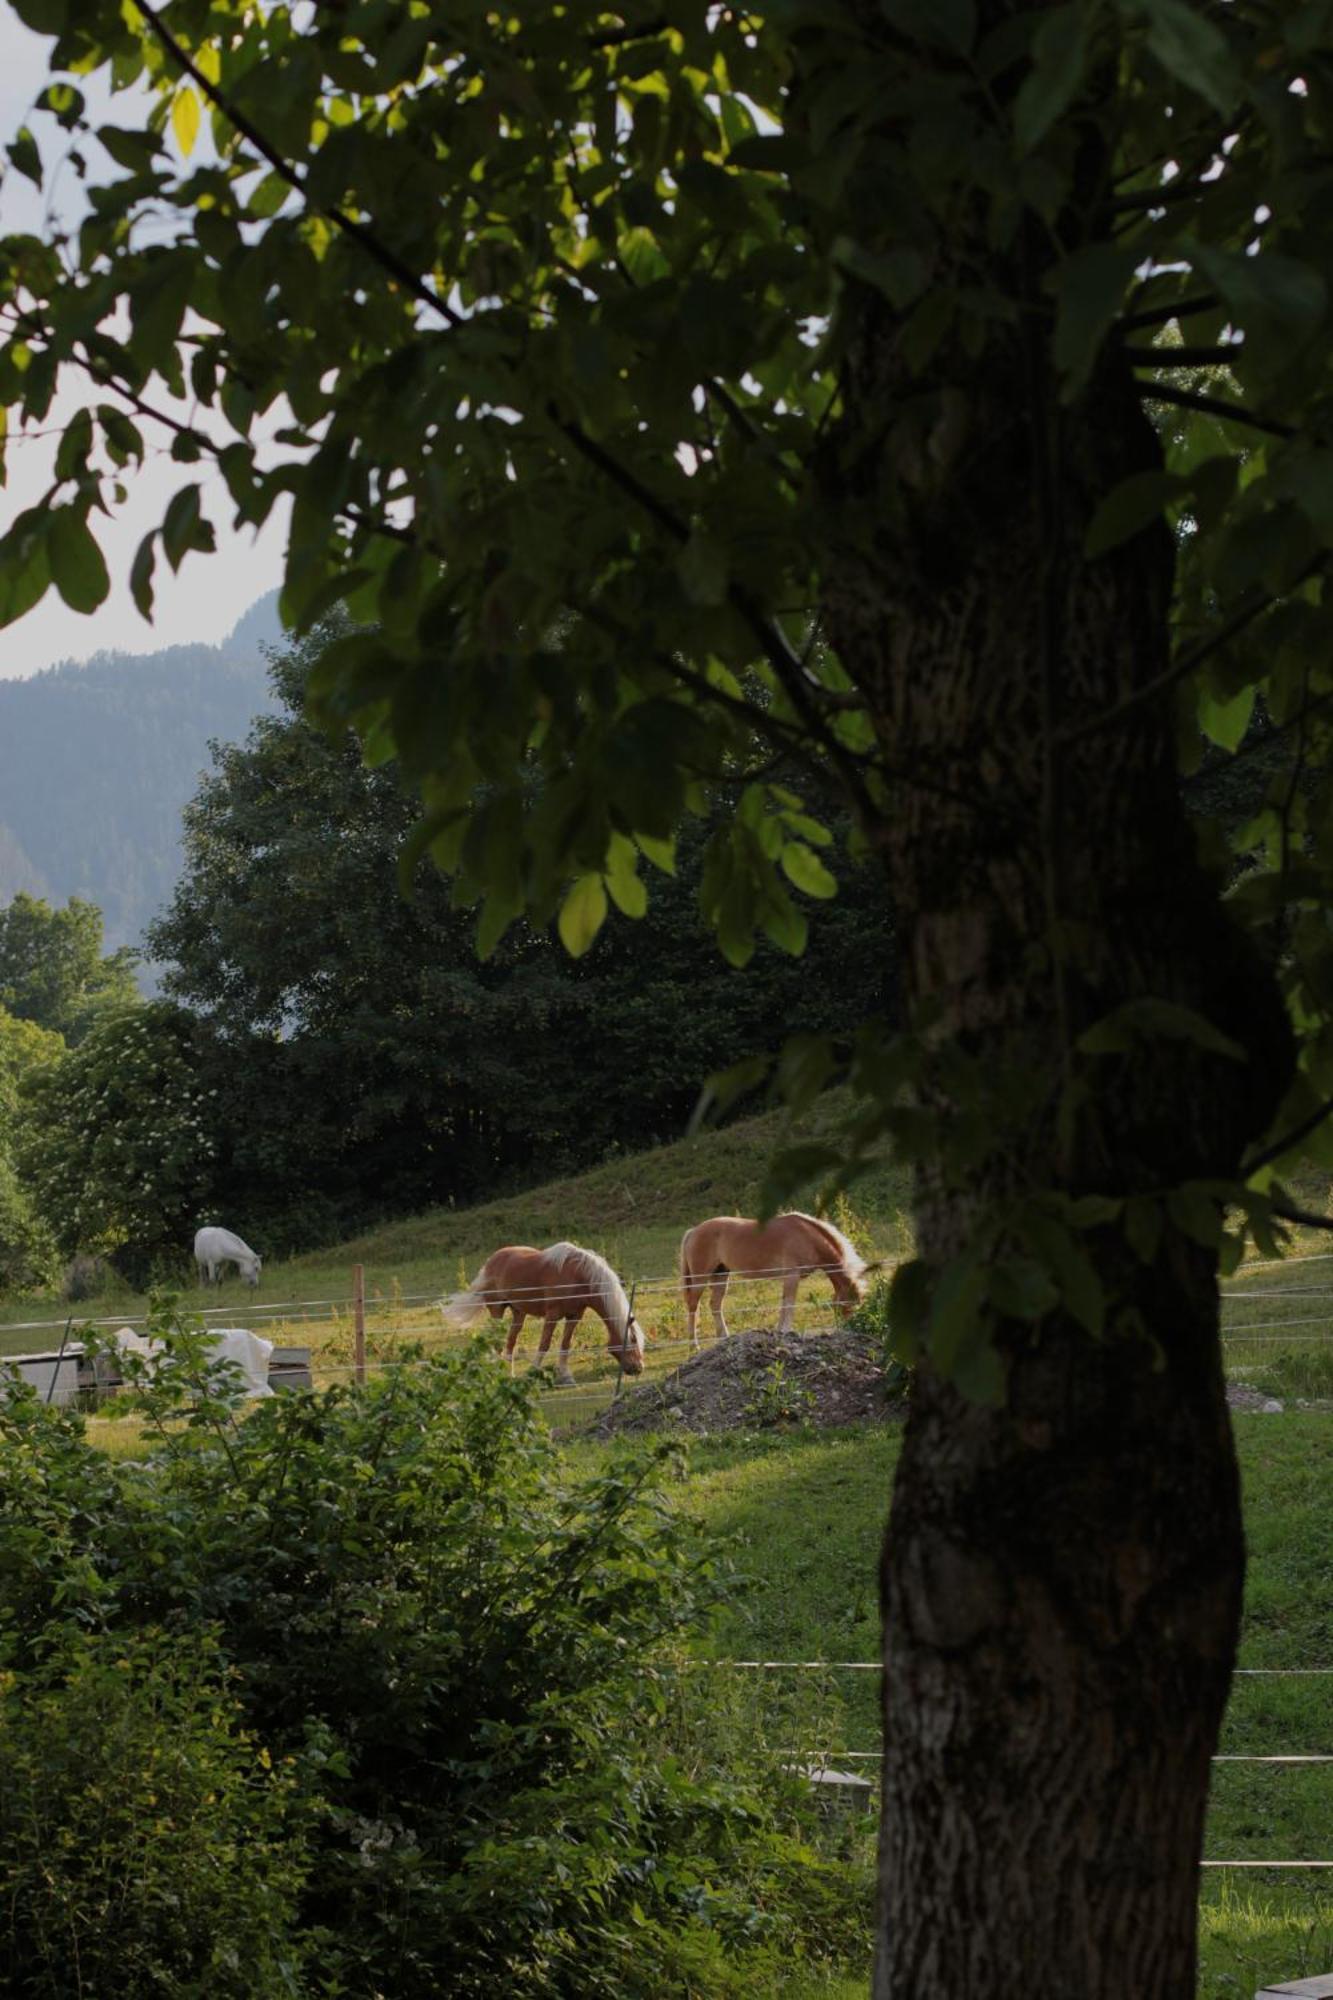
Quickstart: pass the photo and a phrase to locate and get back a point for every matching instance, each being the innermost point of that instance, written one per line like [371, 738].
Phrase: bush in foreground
[456, 1656]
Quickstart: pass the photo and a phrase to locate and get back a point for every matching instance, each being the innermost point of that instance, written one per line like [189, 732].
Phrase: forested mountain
[97, 760]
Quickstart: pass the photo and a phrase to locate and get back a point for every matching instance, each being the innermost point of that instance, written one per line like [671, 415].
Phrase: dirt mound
[760, 1380]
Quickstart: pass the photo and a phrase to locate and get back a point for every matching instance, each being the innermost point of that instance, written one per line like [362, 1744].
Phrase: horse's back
[213, 1242]
[793, 1241]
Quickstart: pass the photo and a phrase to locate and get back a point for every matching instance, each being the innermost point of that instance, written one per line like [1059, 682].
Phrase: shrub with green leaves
[149, 1844]
[467, 1651]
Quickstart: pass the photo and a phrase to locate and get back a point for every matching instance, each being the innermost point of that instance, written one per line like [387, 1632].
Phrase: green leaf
[582, 914]
[1267, 286]
[183, 527]
[1021, 1288]
[956, 1313]
[1197, 1215]
[1071, 1269]
[1224, 721]
[24, 574]
[266, 199]
[940, 24]
[1143, 1227]
[1059, 57]
[909, 1310]
[979, 1373]
[1151, 1019]
[702, 568]
[78, 567]
[803, 867]
[141, 575]
[185, 118]
[662, 853]
[627, 891]
[1195, 50]
[25, 157]
[1129, 508]
[1090, 288]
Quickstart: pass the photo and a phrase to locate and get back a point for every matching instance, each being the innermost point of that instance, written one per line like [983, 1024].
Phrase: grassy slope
[808, 1510]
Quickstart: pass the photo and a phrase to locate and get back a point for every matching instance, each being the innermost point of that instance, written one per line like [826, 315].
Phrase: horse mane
[600, 1279]
[853, 1263]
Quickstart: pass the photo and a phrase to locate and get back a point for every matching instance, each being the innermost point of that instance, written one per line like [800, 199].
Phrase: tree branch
[1183, 357]
[1159, 315]
[1216, 406]
[1288, 1139]
[1305, 1218]
[614, 38]
[1186, 664]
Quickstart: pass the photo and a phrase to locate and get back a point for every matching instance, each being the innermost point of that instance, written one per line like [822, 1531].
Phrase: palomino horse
[560, 1282]
[789, 1247]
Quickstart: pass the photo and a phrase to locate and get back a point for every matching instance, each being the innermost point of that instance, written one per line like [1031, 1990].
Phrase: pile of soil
[1241, 1396]
[761, 1380]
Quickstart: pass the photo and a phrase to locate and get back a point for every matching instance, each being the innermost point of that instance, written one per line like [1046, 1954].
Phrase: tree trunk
[1062, 1576]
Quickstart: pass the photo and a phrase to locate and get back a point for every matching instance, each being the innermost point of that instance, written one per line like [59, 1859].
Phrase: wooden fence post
[359, 1320]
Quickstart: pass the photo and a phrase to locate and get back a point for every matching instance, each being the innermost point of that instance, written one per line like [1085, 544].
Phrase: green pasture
[803, 1515]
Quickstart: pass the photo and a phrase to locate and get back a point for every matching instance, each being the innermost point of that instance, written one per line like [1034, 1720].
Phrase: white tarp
[247, 1351]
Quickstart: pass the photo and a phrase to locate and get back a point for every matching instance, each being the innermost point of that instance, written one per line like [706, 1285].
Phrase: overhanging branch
[770, 639]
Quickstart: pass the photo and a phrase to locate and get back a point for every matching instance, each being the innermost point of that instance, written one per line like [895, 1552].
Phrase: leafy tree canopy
[686, 394]
[52, 968]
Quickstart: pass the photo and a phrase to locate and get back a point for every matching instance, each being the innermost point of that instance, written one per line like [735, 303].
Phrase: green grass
[804, 1515]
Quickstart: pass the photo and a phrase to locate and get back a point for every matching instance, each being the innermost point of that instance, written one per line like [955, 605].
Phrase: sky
[209, 593]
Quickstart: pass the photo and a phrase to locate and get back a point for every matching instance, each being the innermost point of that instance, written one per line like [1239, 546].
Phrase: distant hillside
[96, 761]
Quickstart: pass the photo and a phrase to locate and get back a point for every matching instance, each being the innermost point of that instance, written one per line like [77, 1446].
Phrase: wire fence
[1276, 1338]
[824, 1716]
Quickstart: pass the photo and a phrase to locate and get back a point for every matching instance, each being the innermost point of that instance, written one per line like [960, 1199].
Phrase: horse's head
[250, 1269]
[629, 1352]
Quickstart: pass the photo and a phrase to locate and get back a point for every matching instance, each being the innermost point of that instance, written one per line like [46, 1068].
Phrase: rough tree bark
[1062, 1576]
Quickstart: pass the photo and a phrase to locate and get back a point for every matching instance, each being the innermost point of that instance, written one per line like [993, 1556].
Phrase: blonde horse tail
[461, 1308]
[683, 1261]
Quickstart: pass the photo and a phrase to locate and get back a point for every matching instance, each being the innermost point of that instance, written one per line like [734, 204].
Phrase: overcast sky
[210, 593]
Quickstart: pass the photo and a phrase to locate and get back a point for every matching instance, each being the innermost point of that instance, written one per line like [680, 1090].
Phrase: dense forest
[97, 760]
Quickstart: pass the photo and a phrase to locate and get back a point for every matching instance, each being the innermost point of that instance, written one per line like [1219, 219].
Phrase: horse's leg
[693, 1289]
[548, 1328]
[516, 1319]
[717, 1292]
[787, 1310]
[563, 1371]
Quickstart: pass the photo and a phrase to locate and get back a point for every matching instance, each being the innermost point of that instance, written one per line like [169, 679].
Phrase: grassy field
[803, 1514]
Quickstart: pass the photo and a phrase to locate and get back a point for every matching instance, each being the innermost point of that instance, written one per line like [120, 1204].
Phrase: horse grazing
[789, 1247]
[215, 1247]
[561, 1282]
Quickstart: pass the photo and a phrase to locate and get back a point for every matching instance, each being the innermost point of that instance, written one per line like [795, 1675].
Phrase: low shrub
[465, 1651]
[148, 1843]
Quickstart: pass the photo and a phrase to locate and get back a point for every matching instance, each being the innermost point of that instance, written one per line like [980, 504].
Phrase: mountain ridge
[98, 757]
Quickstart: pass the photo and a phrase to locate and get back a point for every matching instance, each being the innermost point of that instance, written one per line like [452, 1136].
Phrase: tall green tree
[53, 969]
[424, 1074]
[807, 369]
[27, 1248]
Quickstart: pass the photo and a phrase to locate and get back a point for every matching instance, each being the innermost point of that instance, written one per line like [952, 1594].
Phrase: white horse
[215, 1247]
